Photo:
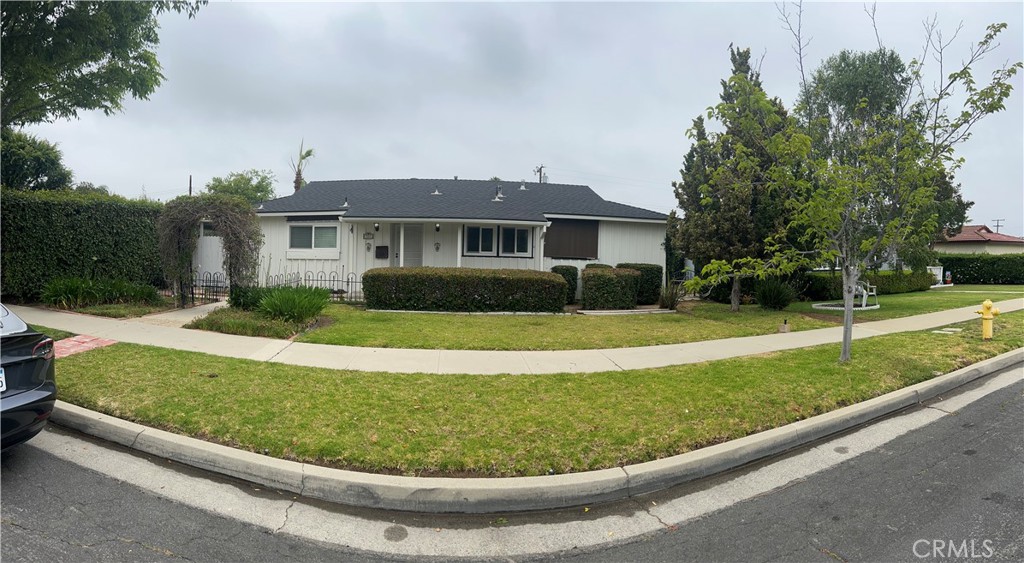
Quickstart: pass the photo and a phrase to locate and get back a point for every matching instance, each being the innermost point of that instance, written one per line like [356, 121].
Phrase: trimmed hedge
[464, 289]
[49, 235]
[829, 287]
[610, 288]
[572, 276]
[984, 268]
[649, 289]
[596, 265]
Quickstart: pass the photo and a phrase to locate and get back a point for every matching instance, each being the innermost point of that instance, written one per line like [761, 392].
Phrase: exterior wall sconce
[351, 229]
[437, 227]
[368, 246]
[376, 226]
[437, 247]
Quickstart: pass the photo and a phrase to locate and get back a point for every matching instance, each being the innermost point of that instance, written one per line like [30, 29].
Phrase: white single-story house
[979, 239]
[341, 229]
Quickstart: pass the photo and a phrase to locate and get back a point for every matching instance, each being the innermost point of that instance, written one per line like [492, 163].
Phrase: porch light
[437, 227]
[376, 226]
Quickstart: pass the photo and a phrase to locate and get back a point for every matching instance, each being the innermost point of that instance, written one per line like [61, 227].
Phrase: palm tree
[300, 165]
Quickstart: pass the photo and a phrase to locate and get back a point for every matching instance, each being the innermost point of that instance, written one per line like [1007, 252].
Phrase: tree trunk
[734, 297]
[851, 274]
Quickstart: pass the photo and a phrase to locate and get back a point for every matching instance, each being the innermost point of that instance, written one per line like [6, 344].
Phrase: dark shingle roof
[459, 199]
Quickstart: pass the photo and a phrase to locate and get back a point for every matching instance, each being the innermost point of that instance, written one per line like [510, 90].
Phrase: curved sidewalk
[399, 360]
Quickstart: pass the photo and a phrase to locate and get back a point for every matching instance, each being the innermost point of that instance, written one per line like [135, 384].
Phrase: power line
[999, 223]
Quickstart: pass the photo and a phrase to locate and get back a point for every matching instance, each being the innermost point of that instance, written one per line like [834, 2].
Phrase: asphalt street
[950, 487]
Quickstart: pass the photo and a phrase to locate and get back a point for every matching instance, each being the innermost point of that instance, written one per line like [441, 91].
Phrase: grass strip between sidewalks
[470, 425]
[53, 333]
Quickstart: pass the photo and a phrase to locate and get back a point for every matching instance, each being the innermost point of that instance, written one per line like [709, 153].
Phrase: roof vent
[346, 203]
[497, 194]
[456, 177]
[522, 186]
[436, 191]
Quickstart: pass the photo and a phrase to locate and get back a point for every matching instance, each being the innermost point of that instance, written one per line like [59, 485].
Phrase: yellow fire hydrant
[987, 312]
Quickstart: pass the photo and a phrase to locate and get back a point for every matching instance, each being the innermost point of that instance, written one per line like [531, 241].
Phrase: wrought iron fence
[342, 288]
[206, 287]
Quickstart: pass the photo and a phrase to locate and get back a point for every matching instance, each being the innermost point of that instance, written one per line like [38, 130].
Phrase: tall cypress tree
[729, 200]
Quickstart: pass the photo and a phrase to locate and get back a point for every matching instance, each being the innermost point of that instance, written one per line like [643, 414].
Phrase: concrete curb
[488, 495]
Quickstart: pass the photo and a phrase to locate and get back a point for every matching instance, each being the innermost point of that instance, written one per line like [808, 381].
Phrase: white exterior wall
[618, 241]
[979, 248]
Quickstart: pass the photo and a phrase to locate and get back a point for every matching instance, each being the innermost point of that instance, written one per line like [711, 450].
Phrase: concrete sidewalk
[141, 331]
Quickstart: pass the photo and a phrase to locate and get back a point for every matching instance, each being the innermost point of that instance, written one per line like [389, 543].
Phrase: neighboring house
[341, 229]
[979, 239]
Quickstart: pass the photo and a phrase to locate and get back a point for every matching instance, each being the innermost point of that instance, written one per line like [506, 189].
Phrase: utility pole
[999, 223]
[189, 185]
[539, 171]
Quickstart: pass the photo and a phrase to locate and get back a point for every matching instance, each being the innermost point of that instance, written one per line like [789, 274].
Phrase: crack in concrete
[614, 363]
[136, 439]
[278, 353]
[643, 506]
[940, 410]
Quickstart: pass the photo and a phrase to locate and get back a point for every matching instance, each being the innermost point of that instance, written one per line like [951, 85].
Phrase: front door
[413, 245]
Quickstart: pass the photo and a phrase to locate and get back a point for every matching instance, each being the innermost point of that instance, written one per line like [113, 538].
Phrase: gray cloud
[602, 94]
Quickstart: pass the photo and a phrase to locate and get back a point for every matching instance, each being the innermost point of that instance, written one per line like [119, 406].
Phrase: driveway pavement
[397, 360]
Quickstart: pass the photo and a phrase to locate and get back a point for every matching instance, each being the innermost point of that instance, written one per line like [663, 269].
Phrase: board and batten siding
[618, 241]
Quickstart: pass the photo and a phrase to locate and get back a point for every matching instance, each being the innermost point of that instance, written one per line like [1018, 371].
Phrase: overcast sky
[601, 94]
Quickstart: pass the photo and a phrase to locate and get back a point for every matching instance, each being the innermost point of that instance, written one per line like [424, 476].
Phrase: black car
[28, 389]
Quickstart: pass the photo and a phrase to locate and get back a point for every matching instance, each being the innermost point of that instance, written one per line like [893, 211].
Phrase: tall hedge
[649, 289]
[829, 287]
[610, 288]
[984, 268]
[463, 289]
[50, 234]
[572, 276]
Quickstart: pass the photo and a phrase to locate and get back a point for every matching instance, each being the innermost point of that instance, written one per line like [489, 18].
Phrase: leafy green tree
[90, 188]
[253, 185]
[30, 163]
[59, 58]
[882, 151]
[732, 192]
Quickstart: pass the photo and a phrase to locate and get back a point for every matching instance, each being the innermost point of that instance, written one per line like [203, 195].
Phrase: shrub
[829, 287]
[294, 304]
[464, 289]
[76, 293]
[984, 268]
[610, 288]
[774, 294]
[236, 321]
[671, 294]
[595, 265]
[572, 276]
[246, 298]
[649, 289]
[49, 235]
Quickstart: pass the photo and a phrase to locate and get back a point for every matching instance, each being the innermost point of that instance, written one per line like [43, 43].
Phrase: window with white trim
[515, 241]
[308, 237]
[479, 241]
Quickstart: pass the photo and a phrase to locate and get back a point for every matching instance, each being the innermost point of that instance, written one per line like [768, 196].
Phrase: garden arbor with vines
[233, 218]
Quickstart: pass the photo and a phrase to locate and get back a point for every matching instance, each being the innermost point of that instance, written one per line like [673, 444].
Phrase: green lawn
[919, 302]
[503, 425]
[697, 321]
[53, 333]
